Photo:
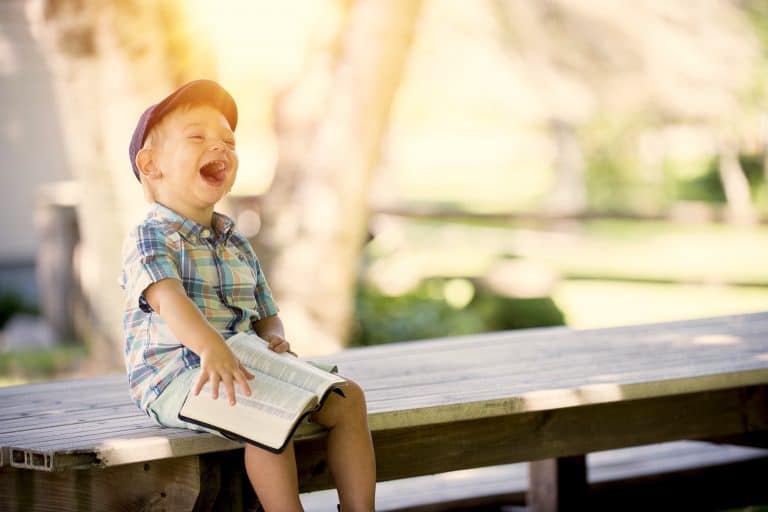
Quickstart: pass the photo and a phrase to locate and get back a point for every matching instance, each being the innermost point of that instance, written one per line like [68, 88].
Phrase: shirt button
[205, 233]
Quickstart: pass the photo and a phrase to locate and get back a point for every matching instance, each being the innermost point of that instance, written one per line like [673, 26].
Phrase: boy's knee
[353, 394]
[351, 405]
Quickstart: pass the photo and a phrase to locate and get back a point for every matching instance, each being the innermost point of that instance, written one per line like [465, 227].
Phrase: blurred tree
[330, 127]
[740, 209]
[664, 62]
[757, 13]
[111, 60]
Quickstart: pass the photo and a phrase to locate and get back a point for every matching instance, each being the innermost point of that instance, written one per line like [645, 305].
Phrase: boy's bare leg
[350, 449]
[274, 478]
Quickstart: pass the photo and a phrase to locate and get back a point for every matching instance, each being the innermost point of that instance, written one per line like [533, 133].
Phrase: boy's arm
[217, 362]
[271, 329]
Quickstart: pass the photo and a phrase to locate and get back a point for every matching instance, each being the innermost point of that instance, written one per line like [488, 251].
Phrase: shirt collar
[190, 230]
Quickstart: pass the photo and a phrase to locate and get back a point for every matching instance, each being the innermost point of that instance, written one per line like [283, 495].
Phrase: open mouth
[214, 172]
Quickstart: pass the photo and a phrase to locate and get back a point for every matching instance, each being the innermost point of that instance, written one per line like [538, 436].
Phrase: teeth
[215, 166]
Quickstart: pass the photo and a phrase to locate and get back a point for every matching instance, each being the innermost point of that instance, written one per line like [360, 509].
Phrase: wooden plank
[552, 337]
[541, 343]
[126, 450]
[537, 435]
[558, 484]
[552, 342]
[14, 427]
[129, 446]
[463, 411]
[171, 484]
[507, 484]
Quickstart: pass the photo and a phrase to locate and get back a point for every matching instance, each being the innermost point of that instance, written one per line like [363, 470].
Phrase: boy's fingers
[241, 375]
[244, 370]
[230, 389]
[215, 379]
[200, 383]
[243, 383]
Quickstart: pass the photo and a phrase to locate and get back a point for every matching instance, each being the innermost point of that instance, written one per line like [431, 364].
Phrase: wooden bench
[544, 395]
[679, 475]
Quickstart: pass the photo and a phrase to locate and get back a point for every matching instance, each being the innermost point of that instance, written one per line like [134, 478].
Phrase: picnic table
[547, 395]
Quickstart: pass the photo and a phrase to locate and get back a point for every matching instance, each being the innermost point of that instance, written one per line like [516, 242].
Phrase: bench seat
[434, 406]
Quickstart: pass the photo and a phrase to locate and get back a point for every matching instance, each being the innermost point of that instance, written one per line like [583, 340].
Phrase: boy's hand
[220, 366]
[277, 343]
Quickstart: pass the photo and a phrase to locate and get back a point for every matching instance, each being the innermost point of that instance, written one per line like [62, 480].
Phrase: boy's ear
[145, 163]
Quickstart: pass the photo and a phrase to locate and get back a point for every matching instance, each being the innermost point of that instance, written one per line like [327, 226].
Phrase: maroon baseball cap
[205, 92]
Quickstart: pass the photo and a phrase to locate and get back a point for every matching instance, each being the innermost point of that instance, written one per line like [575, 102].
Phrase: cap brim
[205, 92]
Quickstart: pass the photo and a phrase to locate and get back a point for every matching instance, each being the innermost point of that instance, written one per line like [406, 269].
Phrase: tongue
[214, 172]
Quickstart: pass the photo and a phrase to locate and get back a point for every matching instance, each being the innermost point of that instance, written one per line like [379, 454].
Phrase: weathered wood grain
[546, 434]
[171, 484]
[448, 380]
[624, 470]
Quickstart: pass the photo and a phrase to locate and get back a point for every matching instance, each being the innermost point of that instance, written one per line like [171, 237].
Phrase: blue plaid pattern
[220, 273]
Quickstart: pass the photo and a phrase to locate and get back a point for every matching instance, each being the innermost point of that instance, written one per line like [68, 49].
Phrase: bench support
[557, 484]
[204, 483]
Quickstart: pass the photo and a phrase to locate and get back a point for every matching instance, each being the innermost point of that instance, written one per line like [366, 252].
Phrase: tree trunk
[569, 192]
[739, 209]
[764, 135]
[110, 60]
[316, 214]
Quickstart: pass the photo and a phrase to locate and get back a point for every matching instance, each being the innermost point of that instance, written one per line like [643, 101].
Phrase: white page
[266, 417]
[253, 353]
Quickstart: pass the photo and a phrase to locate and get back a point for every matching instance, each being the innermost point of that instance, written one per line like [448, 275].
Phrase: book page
[270, 394]
[267, 416]
[255, 354]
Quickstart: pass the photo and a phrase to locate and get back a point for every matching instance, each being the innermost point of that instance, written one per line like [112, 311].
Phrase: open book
[284, 391]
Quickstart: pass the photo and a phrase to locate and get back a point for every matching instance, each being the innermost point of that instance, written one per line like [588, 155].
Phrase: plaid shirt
[219, 272]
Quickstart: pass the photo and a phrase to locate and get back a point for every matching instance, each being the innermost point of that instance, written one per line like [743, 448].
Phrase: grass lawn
[590, 304]
[39, 365]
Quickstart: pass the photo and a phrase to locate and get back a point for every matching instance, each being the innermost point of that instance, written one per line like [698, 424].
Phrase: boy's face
[193, 161]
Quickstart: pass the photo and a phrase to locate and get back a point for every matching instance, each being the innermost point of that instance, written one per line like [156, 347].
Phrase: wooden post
[556, 485]
[59, 287]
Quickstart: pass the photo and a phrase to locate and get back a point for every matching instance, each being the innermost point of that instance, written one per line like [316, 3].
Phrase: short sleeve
[262, 293]
[149, 255]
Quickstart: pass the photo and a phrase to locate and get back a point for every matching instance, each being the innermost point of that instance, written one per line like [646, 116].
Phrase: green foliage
[424, 313]
[616, 179]
[11, 304]
[709, 188]
[757, 14]
[43, 363]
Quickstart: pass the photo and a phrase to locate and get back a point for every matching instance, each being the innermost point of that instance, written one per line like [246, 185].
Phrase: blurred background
[408, 168]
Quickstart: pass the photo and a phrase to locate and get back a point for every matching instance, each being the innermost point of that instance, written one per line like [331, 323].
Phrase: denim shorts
[165, 409]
